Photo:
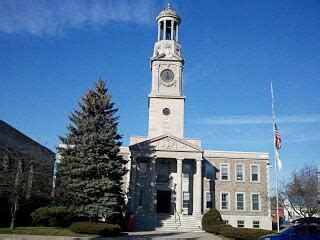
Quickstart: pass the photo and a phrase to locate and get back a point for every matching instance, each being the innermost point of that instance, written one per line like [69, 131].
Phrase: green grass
[50, 231]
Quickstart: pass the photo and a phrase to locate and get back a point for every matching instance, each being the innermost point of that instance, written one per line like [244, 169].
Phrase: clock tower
[166, 100]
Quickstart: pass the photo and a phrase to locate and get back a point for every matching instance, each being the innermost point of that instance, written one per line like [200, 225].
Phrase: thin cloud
[237, 120]
[40, 17]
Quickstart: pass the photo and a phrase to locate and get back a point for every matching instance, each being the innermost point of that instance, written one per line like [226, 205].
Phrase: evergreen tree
[90, 170]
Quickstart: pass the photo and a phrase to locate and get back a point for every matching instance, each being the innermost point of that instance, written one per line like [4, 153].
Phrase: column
[179, 186]
[159, 31]
[172, 25]
[132, 186]
[197, 188]
[152, 183]
[164, 29]
[177, 33]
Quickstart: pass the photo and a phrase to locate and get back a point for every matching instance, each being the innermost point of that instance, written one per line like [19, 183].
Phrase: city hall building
[172, 181]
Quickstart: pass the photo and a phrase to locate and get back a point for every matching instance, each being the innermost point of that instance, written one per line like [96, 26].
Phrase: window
[255, 200]
[224, 201]
[141, 198]
[186, 198]
[5, 163]
[240, 201]
[240, 223]
[209, 199]
[254, 173]
[225, 221]
[142, 168]
[209, 171]
[239, 172]
[256, 224]
[224, 171]
[186, 169]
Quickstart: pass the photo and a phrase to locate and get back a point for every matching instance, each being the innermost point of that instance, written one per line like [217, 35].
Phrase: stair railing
[175, 217]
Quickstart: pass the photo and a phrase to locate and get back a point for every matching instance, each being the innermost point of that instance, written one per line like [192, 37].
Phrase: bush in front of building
[211, 219]
[212, 223]
[53, 216]
[96, 228]
[243, 233]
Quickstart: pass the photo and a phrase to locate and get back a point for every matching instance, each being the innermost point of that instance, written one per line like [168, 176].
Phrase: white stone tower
[166, 100]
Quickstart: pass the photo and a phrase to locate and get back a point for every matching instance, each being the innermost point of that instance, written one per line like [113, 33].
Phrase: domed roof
[168, 11]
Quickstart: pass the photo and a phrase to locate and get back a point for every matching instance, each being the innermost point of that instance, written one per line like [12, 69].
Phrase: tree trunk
[14, 209]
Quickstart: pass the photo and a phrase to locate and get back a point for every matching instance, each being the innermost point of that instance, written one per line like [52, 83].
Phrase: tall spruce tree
[90, 170]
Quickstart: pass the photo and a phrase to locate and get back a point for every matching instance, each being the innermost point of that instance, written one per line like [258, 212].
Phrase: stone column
[152, 182]
[197, 188]
[164, 29]
[159, 24]
[132, 186]
[177, 33]
[172, 25]
[179, 186]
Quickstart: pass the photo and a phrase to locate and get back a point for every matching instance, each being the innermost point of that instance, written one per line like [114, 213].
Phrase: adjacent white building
[172, 180]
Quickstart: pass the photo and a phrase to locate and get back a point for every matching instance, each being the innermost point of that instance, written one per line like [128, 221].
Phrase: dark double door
[163, 201]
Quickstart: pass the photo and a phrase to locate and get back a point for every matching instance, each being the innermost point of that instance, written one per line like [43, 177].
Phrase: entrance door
[163, 201]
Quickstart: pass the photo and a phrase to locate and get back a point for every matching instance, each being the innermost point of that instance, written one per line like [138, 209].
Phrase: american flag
[277, 137]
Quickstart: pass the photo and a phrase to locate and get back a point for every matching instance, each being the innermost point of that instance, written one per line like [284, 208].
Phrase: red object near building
[131, 222]
[274, 215]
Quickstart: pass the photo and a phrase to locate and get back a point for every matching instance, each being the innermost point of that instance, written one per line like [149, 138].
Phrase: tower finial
[168, 5]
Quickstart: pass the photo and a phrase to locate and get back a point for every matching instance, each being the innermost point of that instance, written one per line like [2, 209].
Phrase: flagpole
[275, 158]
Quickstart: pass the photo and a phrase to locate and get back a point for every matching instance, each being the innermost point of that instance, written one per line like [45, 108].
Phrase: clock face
[167, 75]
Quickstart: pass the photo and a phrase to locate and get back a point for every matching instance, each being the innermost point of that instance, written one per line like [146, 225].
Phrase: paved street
[134, 235]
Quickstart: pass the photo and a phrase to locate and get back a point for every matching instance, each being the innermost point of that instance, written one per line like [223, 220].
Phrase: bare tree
[301, 192]
[19, 182]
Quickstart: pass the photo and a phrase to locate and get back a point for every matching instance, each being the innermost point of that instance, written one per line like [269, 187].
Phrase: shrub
[52, 216]
[95, 228]
[243, 233]
[218, 228]
[211, 218]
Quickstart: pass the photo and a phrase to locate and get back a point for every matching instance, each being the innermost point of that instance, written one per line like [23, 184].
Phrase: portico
[168, 170]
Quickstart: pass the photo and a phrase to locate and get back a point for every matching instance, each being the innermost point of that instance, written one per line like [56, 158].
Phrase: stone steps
[185, 224]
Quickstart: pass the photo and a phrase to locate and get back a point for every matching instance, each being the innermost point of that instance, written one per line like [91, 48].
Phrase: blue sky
[51, 52]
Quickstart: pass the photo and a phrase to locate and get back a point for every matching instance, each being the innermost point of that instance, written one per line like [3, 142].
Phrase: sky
[51, 52]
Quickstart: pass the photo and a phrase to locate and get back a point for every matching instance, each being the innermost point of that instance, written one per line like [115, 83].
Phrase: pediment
[166, 143]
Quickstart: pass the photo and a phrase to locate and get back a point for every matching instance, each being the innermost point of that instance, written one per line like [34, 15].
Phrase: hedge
[95, 228]
[52, 216]
[212, 222]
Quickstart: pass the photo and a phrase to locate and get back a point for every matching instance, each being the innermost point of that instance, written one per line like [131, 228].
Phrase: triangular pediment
[166, 143]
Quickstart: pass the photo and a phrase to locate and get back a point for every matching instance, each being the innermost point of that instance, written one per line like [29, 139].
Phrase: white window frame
[258, 172]
[259, 198]
[254, 224]
[243, 172]
[228, 165]
[228, 209]
[236, 201]
[183, 193]
[238, 223]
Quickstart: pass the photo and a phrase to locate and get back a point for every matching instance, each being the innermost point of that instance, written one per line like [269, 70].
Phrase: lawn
[50, 231]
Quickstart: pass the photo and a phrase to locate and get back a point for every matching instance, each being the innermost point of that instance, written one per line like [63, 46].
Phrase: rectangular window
[256, 224]
[226, 221]
[240, 201]
[186, 169]
[224, 172]
[209, 171]
[240, 223]
[141, 198]
[209, 199]
[239, 172]
[255, 200]
[186, 198]
[254, 173]
[142, 168]
[224, 201]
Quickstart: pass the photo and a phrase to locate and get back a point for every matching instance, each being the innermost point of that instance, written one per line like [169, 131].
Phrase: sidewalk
[131, 235]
